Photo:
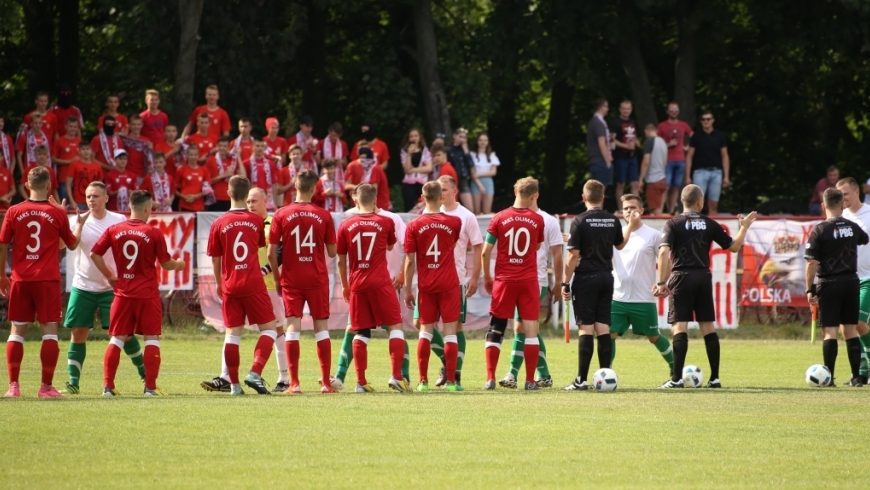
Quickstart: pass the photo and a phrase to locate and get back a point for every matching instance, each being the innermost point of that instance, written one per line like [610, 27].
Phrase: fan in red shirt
[153, 119]
[307, 234]
[121, 123]
[263, 172]
[442, 164]
[29, 140]
[233, 244]
[429, 243]
[65, 151]
[222, 166]
[367, 171]
[81, 173]
[160, 185]
[106, 143]
[519, 232]
[137, 248]
[370, 139]
[329, 193]
[7, 188]
[202, 138]
[65, 110]
[362, 245]
[305, 140]
[139, 149]
[171, 149]
[276, 146]
[286, 185]
[35, 228]
[42, 160]
[243, 146]
[190, 182]
[333, 146]
[120, 184]
[218, 119]
[49, 120]
[7, 146]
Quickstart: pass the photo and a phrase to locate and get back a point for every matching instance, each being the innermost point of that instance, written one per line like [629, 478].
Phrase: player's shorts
[522, 296]
[278, 307]
[544, 290]
[444, 305]
[374, 307]
[839, 301]
[83, 305]
[591, 295]
[642, 317]
[317, 299]
[691, 297]
[256, 307]
[39, 300]
[463, 305]
[864, 295]
[141, 316]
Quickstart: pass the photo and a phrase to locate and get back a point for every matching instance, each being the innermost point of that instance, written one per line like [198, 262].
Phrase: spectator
[707, 162]
[276, 146]
[49, 120]
[7, 146]
[7, 187]
[221, 166]
[827, 182]
[154, 121]
[598, 144]
[82, 172]
[138, 149]
[370, 139]
[43, 159]
[330, 188]
[106, 143]
[287, 180]
[64, 151]
[441, 164]
[365, 170]
[485, 166]
[112, 104]
[189, 182]
[64, 110]
[160, 185]
[263, 173]
[305, 140]
[623, 131]
[171, 149]
[218, 120]
[460, 158]
[29, 140]
[243, 146]
[202, 138]
[674, 132]
[417, 164]
[119, 182]
[652, 170]
[866, 185]
[440, 138]
[333, 147]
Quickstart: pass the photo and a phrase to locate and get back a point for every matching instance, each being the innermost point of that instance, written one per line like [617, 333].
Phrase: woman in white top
[417, 164]
[485, 165]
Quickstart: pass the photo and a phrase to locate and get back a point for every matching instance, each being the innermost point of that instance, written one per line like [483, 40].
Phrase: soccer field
[767, 429]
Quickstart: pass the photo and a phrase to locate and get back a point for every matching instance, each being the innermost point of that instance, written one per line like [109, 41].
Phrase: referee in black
[832, 253]
[687, 238]
[590, 255]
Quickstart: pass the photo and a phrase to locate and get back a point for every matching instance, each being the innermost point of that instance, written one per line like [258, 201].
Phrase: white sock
[281, 359]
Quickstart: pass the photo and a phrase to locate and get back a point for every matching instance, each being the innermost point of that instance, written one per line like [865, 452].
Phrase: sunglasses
[706, 118]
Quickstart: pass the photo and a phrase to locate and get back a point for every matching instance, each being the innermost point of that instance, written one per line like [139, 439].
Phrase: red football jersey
[121, 123]
[218, 121]
[305, 229]
[236, 237]
[49, 125]
[153, 125]
[137, 248]
[115, 181]
[205, 144]
[136, 164]
[65, 149]
[364, 238]
[518, 233]
[263, 173]
[432, 237]
[246, 148]
[36, 227]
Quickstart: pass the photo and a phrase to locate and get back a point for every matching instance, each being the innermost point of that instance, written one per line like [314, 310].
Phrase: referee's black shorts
[592, 293]
[691, 297]
[839, 301]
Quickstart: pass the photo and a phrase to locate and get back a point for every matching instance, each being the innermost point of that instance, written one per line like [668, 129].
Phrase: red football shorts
[38, 299]
[445, 305]
[375, 307]
[142, 316]
[523, 297]
[256, 307]
[317, 299]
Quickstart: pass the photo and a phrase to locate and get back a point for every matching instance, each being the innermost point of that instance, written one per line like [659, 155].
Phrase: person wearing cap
[365, 170]
[120, 183]
[276, 146]
[460, 158]
[304, 139]
[105, 143]
[219, 123]
[370, 139]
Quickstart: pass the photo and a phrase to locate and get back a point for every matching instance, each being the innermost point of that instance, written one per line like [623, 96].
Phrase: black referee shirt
[593, 234]
[689, 236]
[834, 244]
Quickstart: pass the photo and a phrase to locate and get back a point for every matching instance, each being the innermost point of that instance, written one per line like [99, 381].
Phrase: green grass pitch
[767, 429]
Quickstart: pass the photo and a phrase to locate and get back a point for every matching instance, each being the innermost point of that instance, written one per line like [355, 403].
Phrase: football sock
[585, 353]
[263, 350]
[231, 357]
[451, 351]
[494, 338]
[711, 342]
[605, 344]
[612, 350]
[531, 349]
[134, 351]
[664, 348]
[397, 351]
[281, 358]
[865, 344]
[424, 350]
[681, 348]
[292, 359]
[543, 367]
[48, 354]
[517, 353]
[75, 358]
[111, 360]
[829, 354]
[152, 363]
[853, 349]
[345, 356]
[14, 355]
[360, 355]
[406, 361]
[438, 344]
[324, 355]
[460, 358]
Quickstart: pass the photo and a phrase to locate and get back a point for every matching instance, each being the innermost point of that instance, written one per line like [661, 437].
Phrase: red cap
[271, 121]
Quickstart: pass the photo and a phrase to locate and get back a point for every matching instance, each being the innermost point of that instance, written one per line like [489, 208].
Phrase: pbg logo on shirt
[842, 232]
[696, 224]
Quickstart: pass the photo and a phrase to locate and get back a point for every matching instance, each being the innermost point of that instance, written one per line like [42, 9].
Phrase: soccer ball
[692, 377]
[605, 380]
[818, 376]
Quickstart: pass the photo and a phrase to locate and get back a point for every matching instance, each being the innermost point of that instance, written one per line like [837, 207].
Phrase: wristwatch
[662, 283]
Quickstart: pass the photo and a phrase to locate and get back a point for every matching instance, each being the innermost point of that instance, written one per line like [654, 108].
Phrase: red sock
[530, 354]
[152, 364]
[292, 347]
[424, 350]
[48, 354]
[492, 353]
[324, 355]
[451, 354]
[360, 361]
[14, 355]
[110, 365]
[397, 356]
[262, 351]
[232, 358]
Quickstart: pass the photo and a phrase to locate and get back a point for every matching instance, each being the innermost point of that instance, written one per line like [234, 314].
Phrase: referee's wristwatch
[566, 286]
[662, 283]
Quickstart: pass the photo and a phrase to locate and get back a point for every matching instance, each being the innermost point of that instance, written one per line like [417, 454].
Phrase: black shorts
[839, 302]
[591, 295]
[691, 297]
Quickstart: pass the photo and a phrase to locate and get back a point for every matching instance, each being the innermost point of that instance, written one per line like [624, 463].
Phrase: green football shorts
[864, 305]
[83, 305]
[642, 317]
[543, 293]
[462, 300]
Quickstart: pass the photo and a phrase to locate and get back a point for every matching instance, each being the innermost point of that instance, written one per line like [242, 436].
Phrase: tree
[426, 56]
[190, 12]
[68, 44]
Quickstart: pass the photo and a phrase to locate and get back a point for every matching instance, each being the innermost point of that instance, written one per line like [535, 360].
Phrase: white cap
[119, 152]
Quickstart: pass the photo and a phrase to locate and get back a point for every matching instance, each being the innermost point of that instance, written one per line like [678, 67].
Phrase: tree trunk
[68, 43]
[557, 139]
[684, 73]
[39, 28]
[628, 50]
[190, 12]
[312, 57]
[434, 97]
